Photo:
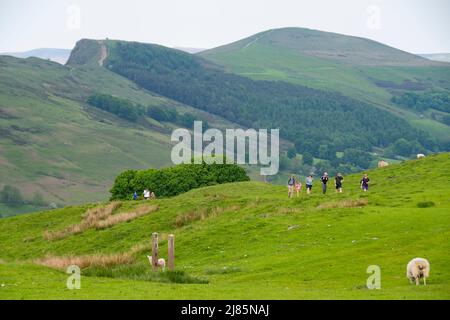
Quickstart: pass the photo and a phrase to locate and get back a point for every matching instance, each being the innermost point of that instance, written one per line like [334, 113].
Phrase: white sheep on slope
[161, 262]
[418, 268]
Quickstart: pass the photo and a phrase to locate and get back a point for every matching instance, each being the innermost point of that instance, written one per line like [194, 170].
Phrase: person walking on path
[324, 180]
[338, 182]
[365, 182]
[291, 184]
[298, 187]
[309, 184]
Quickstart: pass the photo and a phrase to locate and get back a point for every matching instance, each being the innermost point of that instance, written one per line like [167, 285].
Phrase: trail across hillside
[103, 53]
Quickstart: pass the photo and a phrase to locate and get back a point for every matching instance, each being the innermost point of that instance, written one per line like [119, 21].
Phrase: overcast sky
[418, 26]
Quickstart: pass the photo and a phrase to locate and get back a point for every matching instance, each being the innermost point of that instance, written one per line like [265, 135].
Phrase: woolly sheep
[161, 262]
[418, 268]
[382, 164]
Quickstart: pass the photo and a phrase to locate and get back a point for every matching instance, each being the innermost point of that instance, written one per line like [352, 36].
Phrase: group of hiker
[295, 185]
[148, 195]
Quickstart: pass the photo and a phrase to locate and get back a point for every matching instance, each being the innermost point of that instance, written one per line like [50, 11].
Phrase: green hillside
[244, 241]
[366, 70]
[55, 144]
[302, 113]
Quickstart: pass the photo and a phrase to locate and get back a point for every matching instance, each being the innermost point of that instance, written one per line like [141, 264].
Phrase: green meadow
[249, 241]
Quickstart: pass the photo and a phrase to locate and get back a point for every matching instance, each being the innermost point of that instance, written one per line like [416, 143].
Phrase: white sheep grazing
[418, 268]
[161, 262]
[420, 155]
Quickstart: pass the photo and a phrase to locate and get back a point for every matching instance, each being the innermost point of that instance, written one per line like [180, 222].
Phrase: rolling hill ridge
[360, 68]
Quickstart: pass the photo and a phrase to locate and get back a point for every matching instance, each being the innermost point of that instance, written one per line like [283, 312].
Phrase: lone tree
[11, 196]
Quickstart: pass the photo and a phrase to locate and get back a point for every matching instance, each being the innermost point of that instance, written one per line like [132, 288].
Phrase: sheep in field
[161, 262]
[382, 164]
[420, 155]
[416, 269]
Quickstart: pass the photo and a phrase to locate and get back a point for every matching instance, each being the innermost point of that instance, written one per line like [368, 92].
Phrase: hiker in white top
[146, 194]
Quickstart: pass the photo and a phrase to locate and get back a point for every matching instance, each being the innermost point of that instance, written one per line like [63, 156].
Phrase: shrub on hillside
[120, 107]
[11, 196]
[426, 204]
[175, 180]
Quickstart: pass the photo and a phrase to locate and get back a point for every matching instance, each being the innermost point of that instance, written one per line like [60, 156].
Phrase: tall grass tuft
[201, 214]
[350, 203]
[100, 217]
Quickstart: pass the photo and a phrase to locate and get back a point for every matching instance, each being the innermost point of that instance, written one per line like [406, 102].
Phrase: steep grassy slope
[249, 241]
[360, 68]
[53, 143]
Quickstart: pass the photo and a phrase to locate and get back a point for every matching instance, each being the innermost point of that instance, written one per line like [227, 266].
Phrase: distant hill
[442, 57]
[55, 144]
[360, 68]
[327, 45]
[298, 111]
[57, 55]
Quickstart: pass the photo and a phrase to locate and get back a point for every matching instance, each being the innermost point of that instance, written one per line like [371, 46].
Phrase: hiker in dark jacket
[291, 184]
[338, 182]
[365, 182]
[324, 180]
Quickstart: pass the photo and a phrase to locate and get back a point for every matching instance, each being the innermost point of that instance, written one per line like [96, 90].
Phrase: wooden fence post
[155, 251]
[171, 249]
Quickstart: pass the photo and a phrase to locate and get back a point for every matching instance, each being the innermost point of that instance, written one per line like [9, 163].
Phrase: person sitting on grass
[152, 195]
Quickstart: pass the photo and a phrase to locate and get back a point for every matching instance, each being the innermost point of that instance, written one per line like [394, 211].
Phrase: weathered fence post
[155, 251]
[171, 249]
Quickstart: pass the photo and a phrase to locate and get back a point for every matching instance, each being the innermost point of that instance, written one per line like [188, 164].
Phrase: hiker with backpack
[338, 182]
[324, 180]
[291, 184]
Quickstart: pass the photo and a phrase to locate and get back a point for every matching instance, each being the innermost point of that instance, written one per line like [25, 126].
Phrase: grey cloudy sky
[418, 26]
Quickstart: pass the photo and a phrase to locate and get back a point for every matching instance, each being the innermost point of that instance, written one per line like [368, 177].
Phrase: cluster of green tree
[446, 120]
[11, 196]
[120, 107]
[324, 120]
[175, 180]
[171, 115]
[404, 148]
[130, 111]
[438, 100]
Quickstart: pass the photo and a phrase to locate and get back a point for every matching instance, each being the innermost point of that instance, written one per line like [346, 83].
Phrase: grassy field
[248, 241]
